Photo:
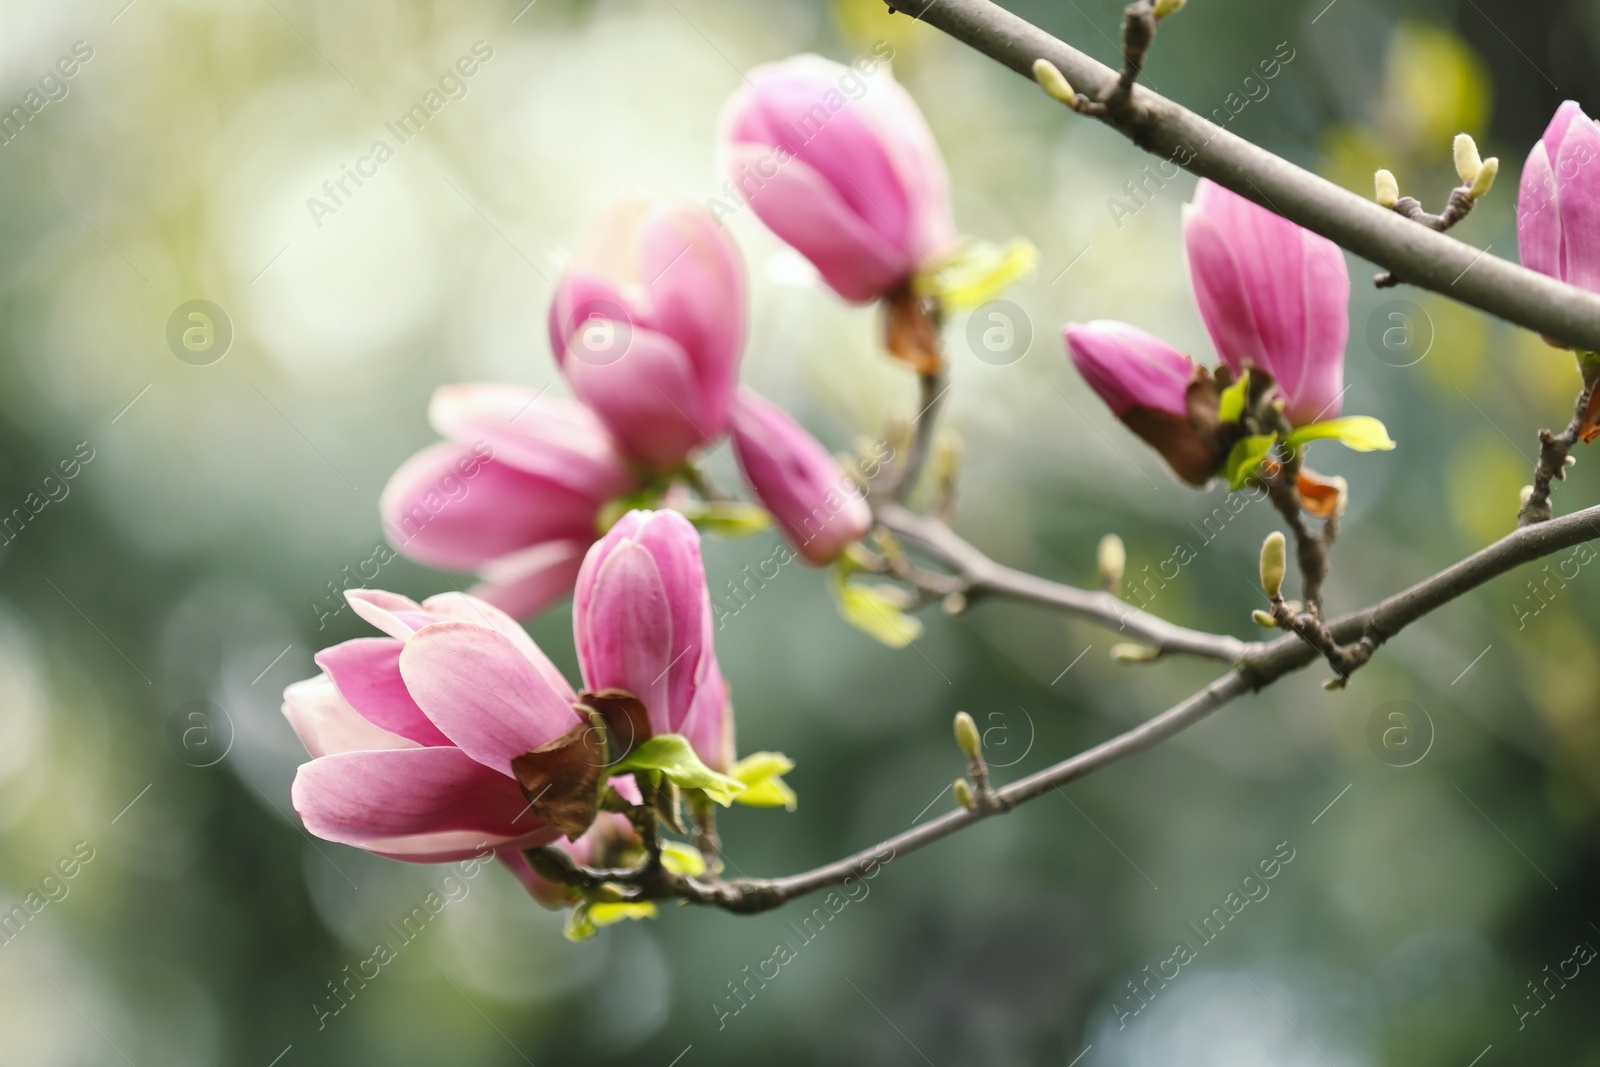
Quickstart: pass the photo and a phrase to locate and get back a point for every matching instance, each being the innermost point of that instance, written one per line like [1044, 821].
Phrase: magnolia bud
[1052, 81]
[1526, 494]
[1388, 189]
[954, 603]
[1264, 618]
[1468, 162]
[1274, 563]
[963, 793]
[1113, 558]
[1485, 179]
[967, 735]
[1163, 8]
[1132, 653]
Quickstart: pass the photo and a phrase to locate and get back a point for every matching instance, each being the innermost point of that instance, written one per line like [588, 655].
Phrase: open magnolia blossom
[515, 492]
[839, 162]
[1275, 299]
[455, 734]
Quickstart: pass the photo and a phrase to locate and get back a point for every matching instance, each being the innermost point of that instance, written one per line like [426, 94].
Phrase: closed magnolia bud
[1113, 558]
[1052, 81]
[963, 793]
[1274, 563]
[1526, 494]
[1559, 195]
[1165, 8]
[1132, 653]
[967, 735]
[1468, 162]
[1387, 188]
[1264, 618]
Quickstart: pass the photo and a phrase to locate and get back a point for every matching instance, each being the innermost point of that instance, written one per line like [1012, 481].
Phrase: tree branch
[981, 575]
[1418, 254]
[1261, 665]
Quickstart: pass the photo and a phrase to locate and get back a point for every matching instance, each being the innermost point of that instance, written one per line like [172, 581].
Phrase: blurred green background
[182, 563]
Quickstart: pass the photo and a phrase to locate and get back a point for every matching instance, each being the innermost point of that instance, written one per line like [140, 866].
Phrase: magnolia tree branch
[979, 575]
[1420, 255]
[1259, 664]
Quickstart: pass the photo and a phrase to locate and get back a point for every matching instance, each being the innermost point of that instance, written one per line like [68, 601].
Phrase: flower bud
[1165, 8]
[1468, 162]
[963, 793]
[1132, 653]
[1264, 618]
[1274, 563]
[1388, 188]
[967, 735]
[1485, 179]
[1526, 494]
[1559, 193]
[1052, 81]
[1113, 558]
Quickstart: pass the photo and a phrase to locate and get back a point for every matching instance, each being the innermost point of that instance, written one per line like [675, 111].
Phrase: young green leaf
[679, 858]
[673, 756]
[762, 773]
[869, 610]
[1230, 406]
[978, 272]
[1245, 458]
[1360, 432]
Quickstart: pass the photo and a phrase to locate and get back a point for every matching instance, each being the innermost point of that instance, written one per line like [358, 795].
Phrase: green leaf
[579, 926]
[978, 272]
[1246, 457]
[762, 773]
[603, 913]
[673, 756]
[679, 858]
[1230, 407]
[1360, 432]
[870, 610]
[730, 518]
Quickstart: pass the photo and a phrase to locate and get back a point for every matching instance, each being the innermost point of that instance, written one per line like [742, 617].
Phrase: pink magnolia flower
[1145, 383]
[648, 326]
[1558, 207]
[443, 739]
[513, 494]
[841, 165]
[1272, 295]
[641, 617]
[412, 735]
[822, 511]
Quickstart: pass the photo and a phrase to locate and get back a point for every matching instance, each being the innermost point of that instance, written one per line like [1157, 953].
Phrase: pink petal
[526, 582]
[695, 284]
[454, 845]
[1128, 367]
[1555, 134]
[1577, 168]
[1219, 290]
[797, 107]
[648, 395]
[468, 608]
[624, 630]
[821, 510]
[325, 723]
[798, 205]
[366, 671]
[369, 798]
[483, 693]
[586, 295]
[1539, 215]
[560, 440]
[395, 615]
[457, 523]
[1327, 302]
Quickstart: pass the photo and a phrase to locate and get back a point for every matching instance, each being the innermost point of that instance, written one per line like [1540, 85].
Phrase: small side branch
[1555, 453]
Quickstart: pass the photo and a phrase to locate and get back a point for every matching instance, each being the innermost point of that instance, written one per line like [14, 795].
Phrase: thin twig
[1554, 450]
